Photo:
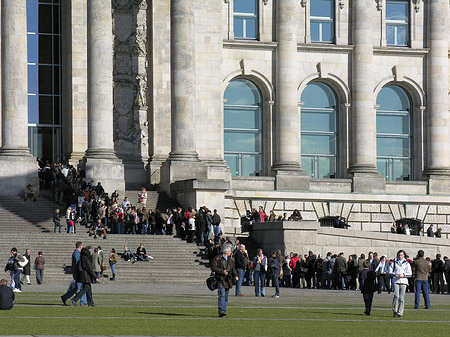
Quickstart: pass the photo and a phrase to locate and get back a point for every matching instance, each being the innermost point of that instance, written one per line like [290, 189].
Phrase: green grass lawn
[299, 313]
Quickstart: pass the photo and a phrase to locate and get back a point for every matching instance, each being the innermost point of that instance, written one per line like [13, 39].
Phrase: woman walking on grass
[400, 270]
[39, 262]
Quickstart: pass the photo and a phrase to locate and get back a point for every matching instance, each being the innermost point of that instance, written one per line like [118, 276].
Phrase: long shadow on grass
[162, 314]
[39, 304]
[337, 313]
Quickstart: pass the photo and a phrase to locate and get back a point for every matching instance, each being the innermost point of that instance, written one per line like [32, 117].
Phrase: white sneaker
[17, 290]
[150, 257]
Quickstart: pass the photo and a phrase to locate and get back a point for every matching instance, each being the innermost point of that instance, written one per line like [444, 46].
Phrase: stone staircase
[155, 200]
[29, 225]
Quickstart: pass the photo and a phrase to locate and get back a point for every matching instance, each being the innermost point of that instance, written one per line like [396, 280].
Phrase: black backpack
[211, 283]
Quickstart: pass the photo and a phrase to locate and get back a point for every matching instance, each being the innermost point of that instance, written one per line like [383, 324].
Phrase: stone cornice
[258, 45]
[399, 51]
[325, 48]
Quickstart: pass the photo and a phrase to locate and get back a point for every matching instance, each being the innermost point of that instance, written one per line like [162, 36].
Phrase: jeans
[368, 298]
[260, 277]
[421, 285]
[398, 303]
[39, 276]
[86, 289]
[240, 273]
[276, 282]
[73, 290]
[223, 298]
[17, 283]
[113, 270]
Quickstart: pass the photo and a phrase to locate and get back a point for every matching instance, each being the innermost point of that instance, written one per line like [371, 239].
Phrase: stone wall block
[435, 219]
[386, 227]
[422, 211]
[352, 241]
[443, 210]
[431, 209]
[241, 207]
[371, 227]
[229, 203]
[270, 206]
[382, 217]
[395, 211]
[356, 207]
[363, 217]
[346, 209]
[371, 208]
[308, 206]
[385, 208]
[290, 206]
[279, 206]
[309, 216]
[402, 211]
[335, 208]
[445, 228]
[412, 211]
[318, 208]
[356, 226]
[256, 203]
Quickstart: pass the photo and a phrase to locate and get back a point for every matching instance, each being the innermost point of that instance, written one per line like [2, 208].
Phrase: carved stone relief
[130, 78]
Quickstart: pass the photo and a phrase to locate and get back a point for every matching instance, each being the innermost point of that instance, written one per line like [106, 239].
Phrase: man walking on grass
[74, 285]
[223, 267]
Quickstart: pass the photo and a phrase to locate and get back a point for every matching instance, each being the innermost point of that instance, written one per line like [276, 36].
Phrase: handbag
[211, 283]
[24, 262]
[103, 266]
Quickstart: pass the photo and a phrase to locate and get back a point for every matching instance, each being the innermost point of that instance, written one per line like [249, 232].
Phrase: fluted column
[287, 117]
[100, 79]
[438, 126]
[183, 81]
[14, 79]
[101, 162]
[363, 165]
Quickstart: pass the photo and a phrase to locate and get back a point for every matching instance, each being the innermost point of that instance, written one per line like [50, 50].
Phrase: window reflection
[319, 131]
[243, 128]
[245, 19]
[394, 136]
[397, 22]
[322, 21]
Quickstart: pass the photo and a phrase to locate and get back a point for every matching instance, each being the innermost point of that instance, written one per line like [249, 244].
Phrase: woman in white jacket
[400, 270]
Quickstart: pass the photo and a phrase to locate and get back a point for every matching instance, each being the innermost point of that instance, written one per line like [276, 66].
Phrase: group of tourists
[20, 265]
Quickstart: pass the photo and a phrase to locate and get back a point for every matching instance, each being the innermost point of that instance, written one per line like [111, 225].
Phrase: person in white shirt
[400, 270]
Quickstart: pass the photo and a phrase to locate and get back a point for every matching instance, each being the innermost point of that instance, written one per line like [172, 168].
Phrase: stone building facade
[332, 107]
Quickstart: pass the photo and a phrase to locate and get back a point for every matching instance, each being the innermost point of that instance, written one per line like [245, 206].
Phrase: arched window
[319, 131]
[243, 128]
[394, 152]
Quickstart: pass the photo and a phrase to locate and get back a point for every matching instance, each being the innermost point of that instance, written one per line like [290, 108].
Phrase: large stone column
[288, 173]
[363, 137]
[100, 159]
[437, 165]
[17, 167]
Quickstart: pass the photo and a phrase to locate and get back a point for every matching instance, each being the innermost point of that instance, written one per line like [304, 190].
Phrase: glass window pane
[401, 170]
[45, 18]
[32, 17]
[45, 49]
[390, 35]
[315, 35]
[327, 167]
[56, 29]
[308, 165]
[33, 109]
[45, 141]
[327, 32]
[45, 110]
[251, 165]
[393, 124]
[33, 79]
[242, 92]
[318, 95]
[245, 6]
[398, 11]
[318, 121]
[32, 48]
[56, 80]
[233, 163]
[56, 112]
[251, 28]
[393, 147]
[45, 79]
[322, 8]
[56, 59]
[241, 142]
[319, 144]
[242, 119]
[402, 35]
[393, 98]
[238, 27]
[382, 167]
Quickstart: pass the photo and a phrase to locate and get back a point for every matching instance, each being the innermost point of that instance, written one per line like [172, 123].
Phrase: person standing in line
[112, 264]
[259, 270]
[422, 271]
[400, 270]
[240, 264]
[56, 221]
[367, 286]
[96, 264]
[225, 271]
[275, 267]
[382, 271]
[6, 296]
[85, 276]
[26, 269]
[39, 262]
[74, 285]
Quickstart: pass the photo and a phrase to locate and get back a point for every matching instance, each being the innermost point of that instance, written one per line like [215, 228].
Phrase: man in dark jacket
[85, 275]
[223, 267]
[422, 270]
[438, 274]
[6, 296]
[341, 269]
[241, 264]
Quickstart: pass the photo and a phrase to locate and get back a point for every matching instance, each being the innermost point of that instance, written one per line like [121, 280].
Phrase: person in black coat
[367, 286]
[275, 267]
[6, 296]
[85, 275]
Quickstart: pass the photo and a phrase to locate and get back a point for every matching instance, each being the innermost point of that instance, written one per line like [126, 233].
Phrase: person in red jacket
[292, 265]
[262, 214]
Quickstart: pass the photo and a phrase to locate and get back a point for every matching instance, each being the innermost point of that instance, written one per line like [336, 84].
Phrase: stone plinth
[109, 172]
[291, 180]
[16, 173]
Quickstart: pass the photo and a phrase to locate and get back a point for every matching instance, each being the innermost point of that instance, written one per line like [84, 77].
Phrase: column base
[290, 178]
[368, 182]
[16, 173]
[183, 156]
[155, 163]
[439, 184]
[108, 171]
